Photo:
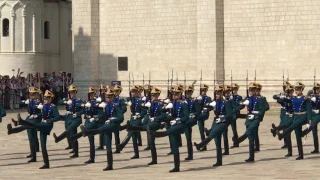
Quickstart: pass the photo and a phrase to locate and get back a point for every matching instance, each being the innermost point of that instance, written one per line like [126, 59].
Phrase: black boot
[69, 146]
[176, 158]
[235, 144]
[92, 155]
[14, 122]
[110, 162]
[240, 139]
[300, 150]
[190, 152]
[251, 152]
[60, 137]
[120, 146]
[75, 146]
[280, 136]
[207, 131]
[9, 128]
[45, 160]
[306, 131]
[139, 139]
[101, 141]
[75, 137]
[257, 143]
[37, 145]
[15, 130]
[180, 140]
[33, 154]
[203, 143]
[156, 134]
[136, 151]
[121, 128]
[273, 132]
[154, 156]
[226, 146]
[147, 148]
[88, 132]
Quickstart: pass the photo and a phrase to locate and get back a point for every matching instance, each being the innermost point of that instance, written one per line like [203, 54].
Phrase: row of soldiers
[178, 113]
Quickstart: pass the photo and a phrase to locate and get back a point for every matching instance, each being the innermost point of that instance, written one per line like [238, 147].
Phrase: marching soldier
[179, 116]
[114, 117]
[302, 114]
[73, 119]
[147, 98]
[34, 116]
[50, 115]
[224, 113]
[237, 99]
[135, 120]
[203, 100]
[152, 120]
[284, 109]
[255, 111]
[121, 103]
[286, 116]
[315, 99]
[265, 104]
[2, 112]
[194, 110]
[93, 115]
[101, 98]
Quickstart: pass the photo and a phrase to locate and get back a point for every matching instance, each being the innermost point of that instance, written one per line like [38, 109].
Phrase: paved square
[270, 161]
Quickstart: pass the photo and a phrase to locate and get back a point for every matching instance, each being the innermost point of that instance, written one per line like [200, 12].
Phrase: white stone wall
[27, 19]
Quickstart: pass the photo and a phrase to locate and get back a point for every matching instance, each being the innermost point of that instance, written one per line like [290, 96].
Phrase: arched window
[46, 30]
[5, 27]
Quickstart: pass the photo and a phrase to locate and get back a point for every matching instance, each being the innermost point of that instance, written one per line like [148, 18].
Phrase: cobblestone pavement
[270, 161]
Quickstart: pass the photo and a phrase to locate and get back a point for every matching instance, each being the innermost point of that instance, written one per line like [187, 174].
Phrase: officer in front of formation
[34, 116]
[256, 110]
[72, 117]
[179, 115]
[315, 102]
[152, 120]
[302, 115]
[49, 114]
[204, 100]
[194, 110]
[114, 117]
[137, 113]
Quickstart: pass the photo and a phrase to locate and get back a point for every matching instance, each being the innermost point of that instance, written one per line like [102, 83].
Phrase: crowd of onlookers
[15, 88]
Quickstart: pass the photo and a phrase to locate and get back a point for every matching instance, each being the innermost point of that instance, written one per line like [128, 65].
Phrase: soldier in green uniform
[315, 99]
[121, 103]
[302, 115]
[73, 119]
[34, 116]
[152, 120]
[135, 120]
[224, 113]
[256, 110]
[147, 98]
[194, 110]
[203, 101]
[237, 99]
[93, 114]
[286, 116]
[2, 112]
[114, 117]
[179, 114]
[101, 98]
[265, 104]
[50, 114]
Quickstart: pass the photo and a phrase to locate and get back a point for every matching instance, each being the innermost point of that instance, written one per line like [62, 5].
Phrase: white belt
[299, 113]
[68, 112]
[221, 116]
[255, 112]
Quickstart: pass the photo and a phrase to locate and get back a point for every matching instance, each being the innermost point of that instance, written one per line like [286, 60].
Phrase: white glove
[134, 117]
[31, 117]
[144, 98]
[64, 99]
[213, 104]
[167, 101]
[173, 122]
[103, 105]
[169, 106]
[313, 99]
[91, 119]
[316, 111]
[282, 96]
[74, 115]
[99, 99]
[88, 105]
[151, 119]
[246, 102]
[129, 103]
[231, 97]
[148, 104]
[308, 126]
[205, 109]
[69, 102]
[107, 121]
[199, 98]
[27, 101]
[177, 119]
[218, 120]
[250, 116]
[40, 106]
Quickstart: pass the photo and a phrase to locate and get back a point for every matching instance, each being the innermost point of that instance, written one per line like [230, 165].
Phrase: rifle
[247, 89]
[255, 75]
[168, 93]
[283, 86]
[314, 82]
[144, 92]
[130, 92]
[149, 88]
[200, 83]
[231, 84]
[185, 83]
[214, 85]
[171, 95]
